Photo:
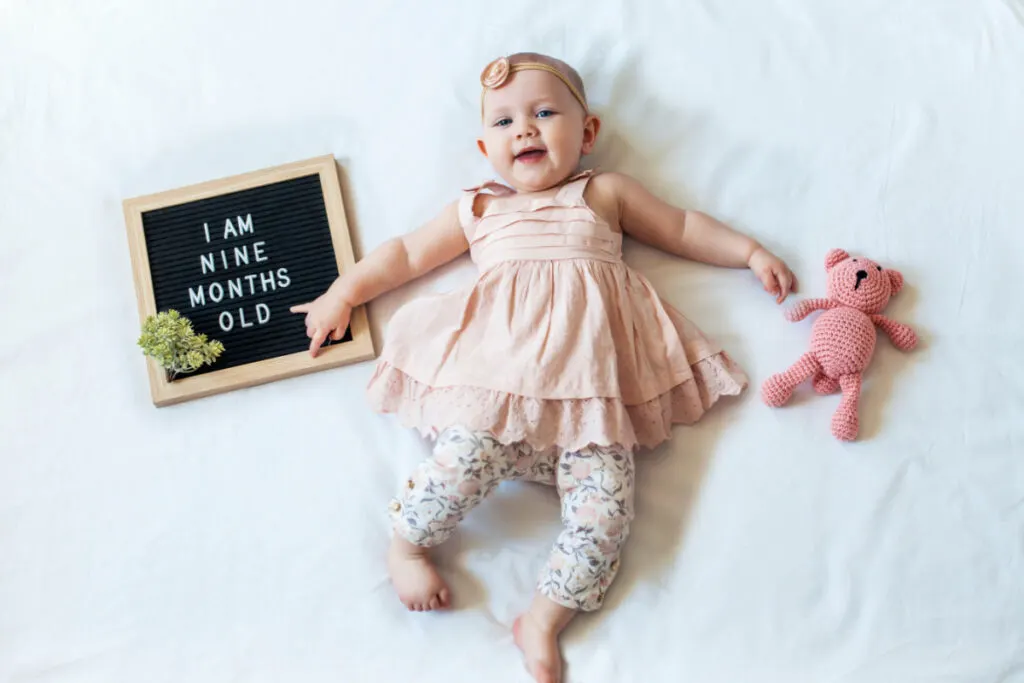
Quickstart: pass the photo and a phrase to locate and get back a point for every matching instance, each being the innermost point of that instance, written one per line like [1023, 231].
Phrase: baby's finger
[318, 340]
[784, 281]
[300, 308]
[338, 333]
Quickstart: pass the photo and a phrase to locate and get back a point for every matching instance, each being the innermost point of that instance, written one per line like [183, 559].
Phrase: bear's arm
[903, 338]
[808, 306]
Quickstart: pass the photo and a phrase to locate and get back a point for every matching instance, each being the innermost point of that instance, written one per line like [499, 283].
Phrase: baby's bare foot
[419, 586]
[539, 644]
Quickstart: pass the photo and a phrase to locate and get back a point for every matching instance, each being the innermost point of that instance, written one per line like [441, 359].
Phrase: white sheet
[241, 538]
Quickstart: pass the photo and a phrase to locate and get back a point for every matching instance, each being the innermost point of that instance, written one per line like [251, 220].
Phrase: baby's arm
[690, 234]
[391, 265]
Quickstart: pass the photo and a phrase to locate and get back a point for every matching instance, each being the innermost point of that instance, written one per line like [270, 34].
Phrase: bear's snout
[861, 275]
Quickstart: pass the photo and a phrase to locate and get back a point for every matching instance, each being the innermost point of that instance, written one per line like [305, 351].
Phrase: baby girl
[558, 364]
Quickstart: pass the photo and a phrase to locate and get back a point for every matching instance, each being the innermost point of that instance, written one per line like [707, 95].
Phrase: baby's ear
[591, 126]
[835, 256]
[896, 278]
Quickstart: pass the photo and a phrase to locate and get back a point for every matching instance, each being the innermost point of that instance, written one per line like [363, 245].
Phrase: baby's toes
[435, 602]
[545, 676]
[542, 674]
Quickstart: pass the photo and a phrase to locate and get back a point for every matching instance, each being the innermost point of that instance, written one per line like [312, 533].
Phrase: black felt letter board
[234, 264]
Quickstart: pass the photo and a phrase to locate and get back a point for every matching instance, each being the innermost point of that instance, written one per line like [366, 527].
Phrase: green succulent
[168, 338]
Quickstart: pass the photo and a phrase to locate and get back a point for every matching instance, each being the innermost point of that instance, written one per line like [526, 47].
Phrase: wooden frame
[360, 348]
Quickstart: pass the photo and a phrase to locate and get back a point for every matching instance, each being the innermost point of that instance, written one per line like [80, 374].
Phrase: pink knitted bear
[843, 337]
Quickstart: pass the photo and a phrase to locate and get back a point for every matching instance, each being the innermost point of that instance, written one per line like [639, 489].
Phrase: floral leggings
[595, 486]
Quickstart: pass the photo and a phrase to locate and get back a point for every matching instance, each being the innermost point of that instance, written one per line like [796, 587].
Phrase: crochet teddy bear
[843, 337]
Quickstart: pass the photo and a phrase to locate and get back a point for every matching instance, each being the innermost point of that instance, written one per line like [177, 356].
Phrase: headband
[497, 72]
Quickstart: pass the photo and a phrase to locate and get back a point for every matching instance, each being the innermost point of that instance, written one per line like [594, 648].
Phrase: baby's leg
[596, 485]
[464, 468]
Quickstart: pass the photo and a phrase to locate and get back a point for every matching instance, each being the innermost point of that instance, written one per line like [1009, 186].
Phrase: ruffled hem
[566, 424]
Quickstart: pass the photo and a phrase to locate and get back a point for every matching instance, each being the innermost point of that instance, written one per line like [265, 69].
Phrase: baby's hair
[564, 68]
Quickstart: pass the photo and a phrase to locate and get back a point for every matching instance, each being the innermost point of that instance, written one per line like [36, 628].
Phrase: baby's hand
[775, 275]
[327, 315]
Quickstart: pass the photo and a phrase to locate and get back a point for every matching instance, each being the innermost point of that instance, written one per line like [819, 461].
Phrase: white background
[242, 537]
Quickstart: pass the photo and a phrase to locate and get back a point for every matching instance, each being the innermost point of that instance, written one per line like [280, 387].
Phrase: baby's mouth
[531, 155]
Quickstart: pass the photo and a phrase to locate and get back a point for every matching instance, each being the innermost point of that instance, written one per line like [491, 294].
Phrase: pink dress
[558, 343]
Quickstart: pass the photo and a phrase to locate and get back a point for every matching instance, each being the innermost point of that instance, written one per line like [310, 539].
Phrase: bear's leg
[824, 384]
[845, 421]
[777, 389]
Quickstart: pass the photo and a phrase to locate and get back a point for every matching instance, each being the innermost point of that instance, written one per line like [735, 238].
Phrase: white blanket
[242, 537]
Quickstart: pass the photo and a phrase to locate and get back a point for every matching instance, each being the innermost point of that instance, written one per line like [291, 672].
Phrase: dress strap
[467, 218]
[572, 192]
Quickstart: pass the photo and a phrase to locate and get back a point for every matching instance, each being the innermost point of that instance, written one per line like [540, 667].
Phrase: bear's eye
[879, 268]
[854, 260]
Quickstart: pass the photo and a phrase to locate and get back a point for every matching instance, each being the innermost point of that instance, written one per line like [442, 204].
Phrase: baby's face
[534, 131]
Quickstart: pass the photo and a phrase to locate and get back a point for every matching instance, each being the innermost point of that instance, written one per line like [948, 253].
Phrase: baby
[557, 364]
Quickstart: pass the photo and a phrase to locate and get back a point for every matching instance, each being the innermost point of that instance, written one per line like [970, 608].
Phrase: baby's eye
[545, 113]
[502, 122]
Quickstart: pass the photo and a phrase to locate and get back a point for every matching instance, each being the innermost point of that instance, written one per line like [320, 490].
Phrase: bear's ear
[896, 278]
[835, 256]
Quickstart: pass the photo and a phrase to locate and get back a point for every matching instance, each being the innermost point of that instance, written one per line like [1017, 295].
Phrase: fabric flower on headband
[496, 73]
